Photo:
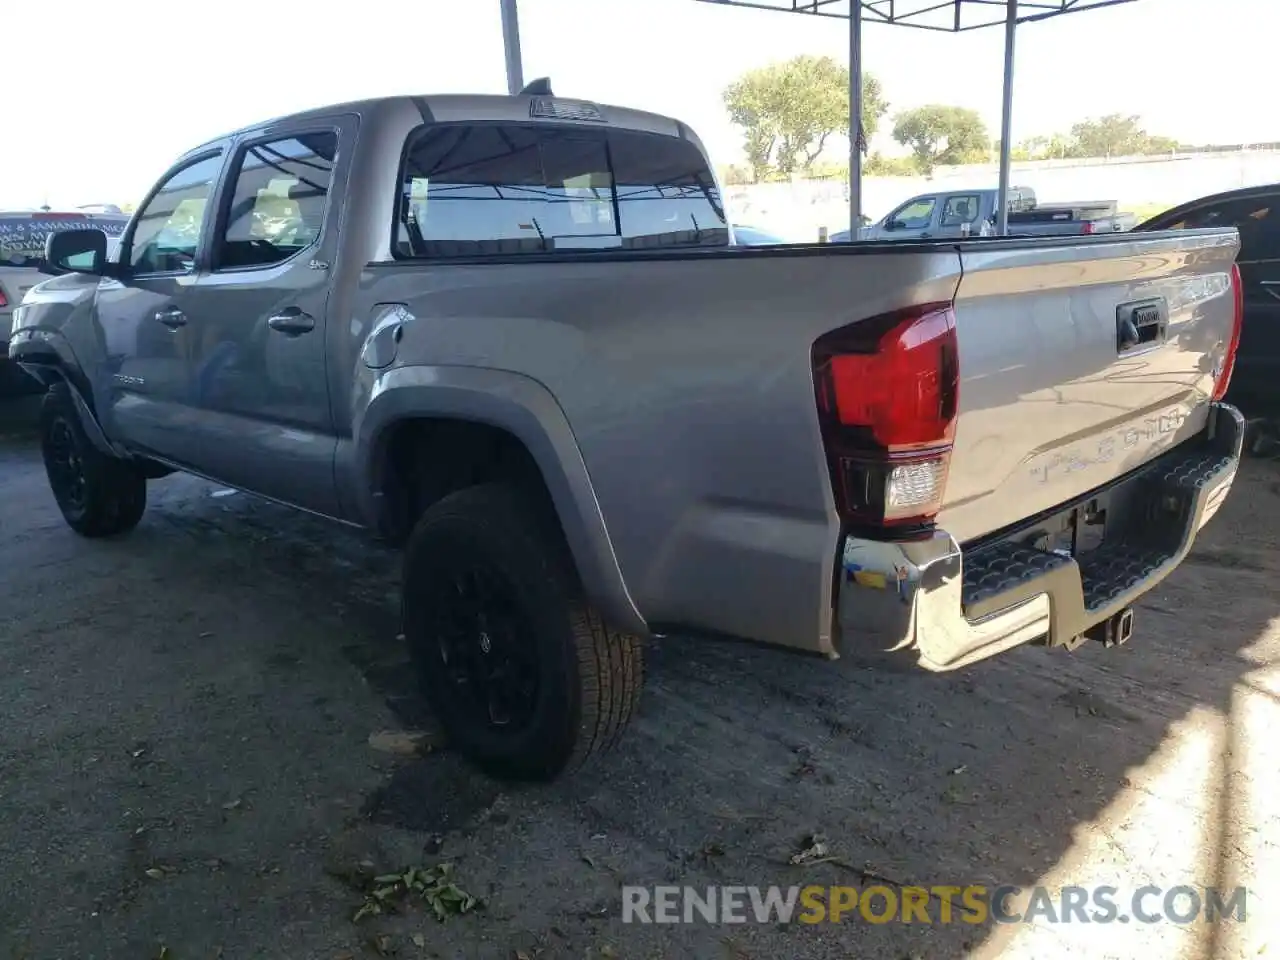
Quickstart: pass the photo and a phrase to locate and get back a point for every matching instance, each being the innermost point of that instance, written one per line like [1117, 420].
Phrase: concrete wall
[796, 210]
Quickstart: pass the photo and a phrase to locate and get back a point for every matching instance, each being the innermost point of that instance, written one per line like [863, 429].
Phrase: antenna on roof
[538, 88]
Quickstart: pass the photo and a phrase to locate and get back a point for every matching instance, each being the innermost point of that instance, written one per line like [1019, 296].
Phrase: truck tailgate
[1055, 398]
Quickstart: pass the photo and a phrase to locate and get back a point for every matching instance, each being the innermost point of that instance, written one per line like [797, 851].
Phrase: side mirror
[892, 224]
[76, 251]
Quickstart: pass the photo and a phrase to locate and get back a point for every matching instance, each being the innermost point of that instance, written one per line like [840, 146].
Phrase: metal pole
[1006, 120]
[511, 46]
[855, 117]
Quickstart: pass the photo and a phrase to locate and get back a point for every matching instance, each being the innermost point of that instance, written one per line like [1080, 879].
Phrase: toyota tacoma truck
[513, 334]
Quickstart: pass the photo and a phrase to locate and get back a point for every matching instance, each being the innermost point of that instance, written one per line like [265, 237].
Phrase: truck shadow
[1004, 774]
[1038, 767]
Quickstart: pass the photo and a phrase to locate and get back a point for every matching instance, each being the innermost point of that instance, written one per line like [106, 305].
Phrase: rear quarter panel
[688, 386]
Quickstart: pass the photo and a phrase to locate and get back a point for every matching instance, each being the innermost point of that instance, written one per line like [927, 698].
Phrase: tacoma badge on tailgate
[1104, 448]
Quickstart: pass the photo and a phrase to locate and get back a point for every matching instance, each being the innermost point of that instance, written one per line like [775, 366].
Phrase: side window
[916, 215]
[958, 210]
[278, 204]
[1257, 219]
[509, 189]
[168, 227]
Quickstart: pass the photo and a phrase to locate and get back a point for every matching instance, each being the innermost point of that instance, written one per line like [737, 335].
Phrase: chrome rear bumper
[939, 607]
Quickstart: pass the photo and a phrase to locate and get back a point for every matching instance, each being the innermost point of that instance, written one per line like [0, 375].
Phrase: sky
[135, 83]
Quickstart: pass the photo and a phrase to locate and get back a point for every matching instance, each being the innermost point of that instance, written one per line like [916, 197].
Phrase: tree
[788, 111]
[1034, 147]
[1116, 135]
[1058, 148]
[878, 165]
[941, 135]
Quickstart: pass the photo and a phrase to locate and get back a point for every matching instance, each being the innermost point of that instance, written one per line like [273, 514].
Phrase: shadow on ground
[184, 714]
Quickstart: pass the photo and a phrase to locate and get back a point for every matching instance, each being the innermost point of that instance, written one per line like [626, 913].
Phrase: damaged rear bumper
[940, 607]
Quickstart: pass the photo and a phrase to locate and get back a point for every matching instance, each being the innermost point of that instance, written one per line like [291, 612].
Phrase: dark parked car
[1255, 212]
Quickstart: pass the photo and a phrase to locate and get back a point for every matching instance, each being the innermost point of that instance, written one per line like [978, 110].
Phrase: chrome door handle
[292, 322]
[172, 317]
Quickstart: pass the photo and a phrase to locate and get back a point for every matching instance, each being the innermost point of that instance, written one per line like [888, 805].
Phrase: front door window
[169, 226]
[916, 215]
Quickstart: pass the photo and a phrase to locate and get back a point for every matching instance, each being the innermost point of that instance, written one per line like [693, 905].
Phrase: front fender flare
[526, 409]
[48, 355]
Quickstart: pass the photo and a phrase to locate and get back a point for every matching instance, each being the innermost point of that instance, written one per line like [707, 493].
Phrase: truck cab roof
[479, 108]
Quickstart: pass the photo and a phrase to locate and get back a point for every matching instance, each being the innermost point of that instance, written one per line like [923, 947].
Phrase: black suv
[1255, 212]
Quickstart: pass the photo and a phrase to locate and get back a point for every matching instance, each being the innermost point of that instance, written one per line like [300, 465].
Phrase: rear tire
[99, 495]
[524, 676]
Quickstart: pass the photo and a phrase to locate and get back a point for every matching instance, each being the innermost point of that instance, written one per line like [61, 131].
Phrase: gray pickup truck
[958, 214]
[513, 334]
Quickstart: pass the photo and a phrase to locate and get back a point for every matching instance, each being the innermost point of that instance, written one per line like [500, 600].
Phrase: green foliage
[1116, 135]
[1041, 148]
[734, 175]
[878, 165]
[789, 110]
[830, 170]
[1110, 136]
[938, 134]
[432, 887]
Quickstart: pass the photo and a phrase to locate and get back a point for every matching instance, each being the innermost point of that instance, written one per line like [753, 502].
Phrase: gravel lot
[185, 769]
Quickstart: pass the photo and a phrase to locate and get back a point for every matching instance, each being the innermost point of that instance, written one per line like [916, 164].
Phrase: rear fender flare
[526, 409]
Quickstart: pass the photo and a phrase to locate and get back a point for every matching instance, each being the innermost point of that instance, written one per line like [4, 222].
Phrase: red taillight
[1233, 342]
[4, 301]
[1087, 227]
[888, 391]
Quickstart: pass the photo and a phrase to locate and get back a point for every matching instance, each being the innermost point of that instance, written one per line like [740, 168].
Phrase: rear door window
[502, 189]
[958, 210]
[278, 204]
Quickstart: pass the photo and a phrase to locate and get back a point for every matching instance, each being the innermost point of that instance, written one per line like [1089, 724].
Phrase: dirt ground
[185, 769]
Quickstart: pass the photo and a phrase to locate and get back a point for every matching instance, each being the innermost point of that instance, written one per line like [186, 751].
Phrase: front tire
[99, 495]
[524, 676]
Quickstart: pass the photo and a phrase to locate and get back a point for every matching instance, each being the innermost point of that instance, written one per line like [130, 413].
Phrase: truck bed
[688, 378]
[1061, 219]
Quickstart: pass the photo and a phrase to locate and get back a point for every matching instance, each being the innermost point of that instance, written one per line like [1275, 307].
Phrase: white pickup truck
[514, 334]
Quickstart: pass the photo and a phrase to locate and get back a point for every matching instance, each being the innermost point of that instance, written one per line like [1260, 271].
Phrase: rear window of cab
[502, 189]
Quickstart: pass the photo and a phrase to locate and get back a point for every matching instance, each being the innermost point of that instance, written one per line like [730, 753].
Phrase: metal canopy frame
[945, 16]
